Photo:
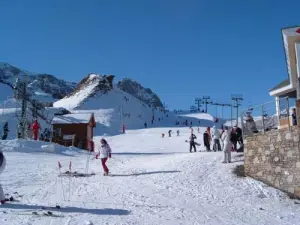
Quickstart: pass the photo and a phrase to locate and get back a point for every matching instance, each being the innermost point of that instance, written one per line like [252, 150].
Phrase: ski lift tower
[20, 92]
[237, 98]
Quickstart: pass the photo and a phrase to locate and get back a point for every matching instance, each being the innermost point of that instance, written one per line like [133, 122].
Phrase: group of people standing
[228, 137]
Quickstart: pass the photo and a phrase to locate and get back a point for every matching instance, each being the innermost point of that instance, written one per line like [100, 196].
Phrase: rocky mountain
[135, 89]
[44, 87]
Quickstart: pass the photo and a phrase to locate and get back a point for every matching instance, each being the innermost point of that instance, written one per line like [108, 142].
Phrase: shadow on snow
[145, 173]
[105, 211]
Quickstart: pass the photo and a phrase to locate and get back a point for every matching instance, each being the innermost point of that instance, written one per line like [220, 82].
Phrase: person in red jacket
[35, 127]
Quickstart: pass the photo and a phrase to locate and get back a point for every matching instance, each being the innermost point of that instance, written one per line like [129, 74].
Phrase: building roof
[281, 85]
[73, 118]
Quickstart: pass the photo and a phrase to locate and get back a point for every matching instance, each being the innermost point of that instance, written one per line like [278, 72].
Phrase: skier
[177, 132]
[35, 127]
[2, 167]
[250, 123]
[239, 135]
[294, 117]
[227, 146]
[145, 125]
[104, 153]
[170, 131]
[192, 142]
[216, 138]
[206, 140]
[233, 139]
[5, 131]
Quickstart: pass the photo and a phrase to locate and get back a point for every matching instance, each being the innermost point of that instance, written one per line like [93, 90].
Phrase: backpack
[1, 158]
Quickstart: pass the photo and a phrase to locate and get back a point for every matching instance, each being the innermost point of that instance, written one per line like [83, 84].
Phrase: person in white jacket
[104, 153]
[2, 167]
[227, 145]
[216, 137]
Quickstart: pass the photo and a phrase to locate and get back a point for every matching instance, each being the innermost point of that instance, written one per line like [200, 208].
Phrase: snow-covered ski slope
[156, 181]
[108, 108]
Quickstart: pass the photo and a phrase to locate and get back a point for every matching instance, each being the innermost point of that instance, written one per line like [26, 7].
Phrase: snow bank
[31, 146]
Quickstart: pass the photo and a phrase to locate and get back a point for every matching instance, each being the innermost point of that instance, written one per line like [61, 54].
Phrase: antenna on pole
[198, 102]
[237, 98]
[206, 100]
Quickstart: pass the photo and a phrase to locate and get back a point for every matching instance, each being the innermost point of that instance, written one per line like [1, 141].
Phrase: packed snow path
[156, 181]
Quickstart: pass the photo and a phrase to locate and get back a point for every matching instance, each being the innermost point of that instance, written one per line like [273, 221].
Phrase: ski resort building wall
[274, 158]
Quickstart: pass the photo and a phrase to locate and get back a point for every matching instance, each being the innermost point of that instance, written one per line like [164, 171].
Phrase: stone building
[274, 156]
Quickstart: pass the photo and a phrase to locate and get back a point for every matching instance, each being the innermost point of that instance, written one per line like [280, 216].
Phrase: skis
[39, 214]
[44, 211]
[11, 198]
[75, 174]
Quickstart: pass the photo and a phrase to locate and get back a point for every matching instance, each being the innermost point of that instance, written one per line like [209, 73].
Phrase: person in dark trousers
[170, 132]
[192, 142]
[5, 131]
[239, 135]
[2, 167]
[233, 139]
[294, 117]
[206, 140]
[145, 124]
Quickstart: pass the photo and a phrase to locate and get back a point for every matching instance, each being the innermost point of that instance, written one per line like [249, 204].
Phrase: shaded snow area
[154, 181]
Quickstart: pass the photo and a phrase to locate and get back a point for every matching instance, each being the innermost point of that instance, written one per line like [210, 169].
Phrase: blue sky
[181, 49]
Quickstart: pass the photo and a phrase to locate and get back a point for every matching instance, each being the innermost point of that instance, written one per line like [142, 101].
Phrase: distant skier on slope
[227, 145]
[178, 132]
[104, 153]
[192, 142]
[35, 127]
[170, 133]
[216, 138]
[5, 131]
[2, 167]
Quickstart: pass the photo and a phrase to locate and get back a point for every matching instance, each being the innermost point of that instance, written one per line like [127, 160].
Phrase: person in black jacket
[192, 142]
[206, 140]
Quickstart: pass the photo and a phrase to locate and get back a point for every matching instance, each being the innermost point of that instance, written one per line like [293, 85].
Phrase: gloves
[109, 155]
[97, 156]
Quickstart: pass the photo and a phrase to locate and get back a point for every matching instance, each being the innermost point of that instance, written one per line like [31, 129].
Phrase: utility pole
[21, 94]
[206, 100]
[236, 98]
[198, 103]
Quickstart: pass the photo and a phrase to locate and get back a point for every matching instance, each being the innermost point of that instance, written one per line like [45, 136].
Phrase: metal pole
[231, 115]
[237, 113]
[288, 111]
[222, 111]
[263, 118]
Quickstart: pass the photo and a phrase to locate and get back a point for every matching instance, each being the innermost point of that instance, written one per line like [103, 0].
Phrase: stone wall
[274, 158]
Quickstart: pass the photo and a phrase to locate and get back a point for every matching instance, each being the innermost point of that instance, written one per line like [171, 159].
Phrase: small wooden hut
[75, 129]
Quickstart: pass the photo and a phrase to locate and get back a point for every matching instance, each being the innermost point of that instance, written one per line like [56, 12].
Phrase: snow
[156, 181]
[72, 118]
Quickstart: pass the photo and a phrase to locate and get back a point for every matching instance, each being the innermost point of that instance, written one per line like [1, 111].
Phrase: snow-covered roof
[77, 118]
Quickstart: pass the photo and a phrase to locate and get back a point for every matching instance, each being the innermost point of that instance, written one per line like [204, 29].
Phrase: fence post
[263, 118]
[288, 111]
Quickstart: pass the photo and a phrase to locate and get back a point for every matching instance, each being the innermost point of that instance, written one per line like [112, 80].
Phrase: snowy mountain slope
[109, 103]
[155, 182]
[38, 84]
[135, 89]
